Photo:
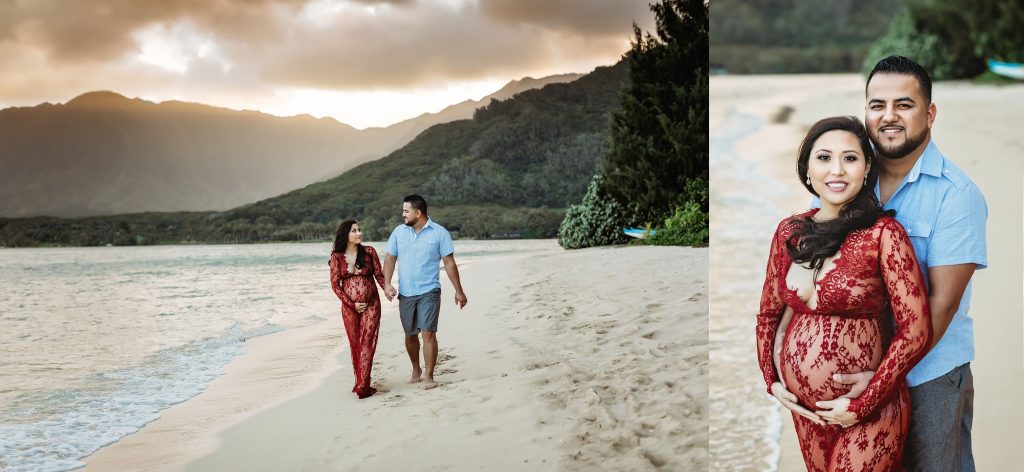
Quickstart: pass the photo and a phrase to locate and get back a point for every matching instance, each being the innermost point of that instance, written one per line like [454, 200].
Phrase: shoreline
[298, 358]
[521, 380]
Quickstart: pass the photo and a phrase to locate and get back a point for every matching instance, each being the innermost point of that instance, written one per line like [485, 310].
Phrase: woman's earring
[808, 180]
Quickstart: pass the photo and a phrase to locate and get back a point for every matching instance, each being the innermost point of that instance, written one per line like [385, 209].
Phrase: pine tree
[659, 135]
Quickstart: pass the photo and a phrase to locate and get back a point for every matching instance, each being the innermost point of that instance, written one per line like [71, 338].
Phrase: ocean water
[95, 342]
[745, 421]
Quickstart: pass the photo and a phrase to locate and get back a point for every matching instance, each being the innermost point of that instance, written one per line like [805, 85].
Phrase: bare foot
[416, 373]
[429, 384]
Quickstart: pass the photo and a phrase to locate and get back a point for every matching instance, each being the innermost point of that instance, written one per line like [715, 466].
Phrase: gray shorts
[420, 312]
[941, 411]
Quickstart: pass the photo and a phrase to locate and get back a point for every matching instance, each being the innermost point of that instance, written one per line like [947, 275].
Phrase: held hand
[858, 382]
[460, 299]
[836, 412]
[389, 292]
[788, 400]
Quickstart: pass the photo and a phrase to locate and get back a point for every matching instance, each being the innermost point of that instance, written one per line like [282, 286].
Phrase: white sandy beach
[581, 360]
[754, 185]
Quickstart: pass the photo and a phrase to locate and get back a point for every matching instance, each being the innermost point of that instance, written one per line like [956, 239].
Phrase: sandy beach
[581, 360]
[757, 123]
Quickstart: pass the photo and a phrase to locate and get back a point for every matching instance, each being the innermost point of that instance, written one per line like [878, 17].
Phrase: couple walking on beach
[418, 246]
[868, 293]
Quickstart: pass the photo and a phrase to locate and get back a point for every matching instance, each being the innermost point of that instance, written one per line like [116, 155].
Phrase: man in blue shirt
[421, 245]
[944, 214]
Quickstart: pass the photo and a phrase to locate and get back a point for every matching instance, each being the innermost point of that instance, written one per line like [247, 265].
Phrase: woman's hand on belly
[788, 400]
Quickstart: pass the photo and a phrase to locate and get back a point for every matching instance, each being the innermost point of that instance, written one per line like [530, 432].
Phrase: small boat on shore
[639, 233]
[1012, 70]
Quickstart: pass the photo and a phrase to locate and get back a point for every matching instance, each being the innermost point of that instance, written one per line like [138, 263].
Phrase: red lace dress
[362, 328]
[847, 332]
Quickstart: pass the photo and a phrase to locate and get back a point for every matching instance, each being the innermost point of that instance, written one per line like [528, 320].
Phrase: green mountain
[102, 153]
[510, 171]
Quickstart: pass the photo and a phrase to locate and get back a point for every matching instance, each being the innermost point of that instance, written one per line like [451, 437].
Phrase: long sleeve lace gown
[362, 328]
[840, 325]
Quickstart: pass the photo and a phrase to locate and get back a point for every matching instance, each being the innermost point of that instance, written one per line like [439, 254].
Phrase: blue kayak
[1012, 70]
[639, 233]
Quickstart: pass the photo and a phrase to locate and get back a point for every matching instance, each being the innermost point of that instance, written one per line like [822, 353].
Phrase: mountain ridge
[104, 153]
[509, 171]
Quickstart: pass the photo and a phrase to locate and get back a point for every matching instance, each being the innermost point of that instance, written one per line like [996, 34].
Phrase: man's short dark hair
[416, 202]
[902, 65]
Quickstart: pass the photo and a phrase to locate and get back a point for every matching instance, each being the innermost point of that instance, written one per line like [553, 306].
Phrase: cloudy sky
[363, 62]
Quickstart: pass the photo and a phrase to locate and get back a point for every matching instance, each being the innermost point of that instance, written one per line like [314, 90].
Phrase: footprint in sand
[483, 431]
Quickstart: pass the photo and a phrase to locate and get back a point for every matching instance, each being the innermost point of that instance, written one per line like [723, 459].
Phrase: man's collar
[930, 163]
[426, 225]
[931, 160]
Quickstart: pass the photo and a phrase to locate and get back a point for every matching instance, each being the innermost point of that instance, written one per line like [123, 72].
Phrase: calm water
[95, 342]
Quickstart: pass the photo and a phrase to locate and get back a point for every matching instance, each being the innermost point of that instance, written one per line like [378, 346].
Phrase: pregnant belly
[817, 346]
[358, 289]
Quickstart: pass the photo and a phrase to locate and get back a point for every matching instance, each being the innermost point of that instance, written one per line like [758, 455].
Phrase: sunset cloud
[252, 50]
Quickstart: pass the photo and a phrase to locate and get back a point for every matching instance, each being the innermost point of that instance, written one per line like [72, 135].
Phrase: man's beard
[410, 223]
[902, 150]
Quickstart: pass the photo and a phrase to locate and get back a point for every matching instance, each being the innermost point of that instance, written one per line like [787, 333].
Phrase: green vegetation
[795, 36]
[933, 37]
[952, 38]
[594, 222]
[509, 172]
[688, 226]
[996, 28]
[657, 165]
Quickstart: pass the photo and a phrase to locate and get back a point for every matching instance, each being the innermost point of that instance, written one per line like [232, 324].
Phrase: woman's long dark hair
[341, 242]
[820, 240]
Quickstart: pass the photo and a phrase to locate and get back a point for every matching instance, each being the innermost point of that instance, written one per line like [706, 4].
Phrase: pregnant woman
[353, 270]
[839, 271]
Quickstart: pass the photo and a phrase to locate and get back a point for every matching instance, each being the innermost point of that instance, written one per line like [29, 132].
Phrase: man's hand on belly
[857, 381]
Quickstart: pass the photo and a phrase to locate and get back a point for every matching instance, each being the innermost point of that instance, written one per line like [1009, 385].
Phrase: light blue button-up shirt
[419, 256]
[944, 214]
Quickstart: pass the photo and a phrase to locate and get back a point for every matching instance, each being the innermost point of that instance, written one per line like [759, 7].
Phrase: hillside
[508, 172]
[103, 153]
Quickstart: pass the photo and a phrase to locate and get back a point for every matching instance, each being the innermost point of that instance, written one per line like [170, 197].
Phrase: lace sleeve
[908, 300]
[772, 307]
